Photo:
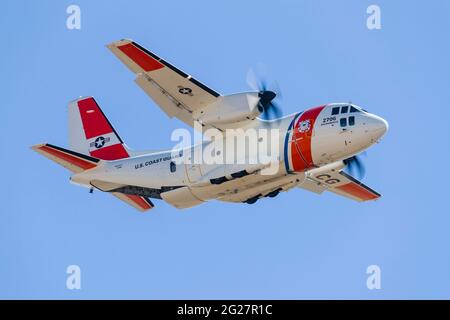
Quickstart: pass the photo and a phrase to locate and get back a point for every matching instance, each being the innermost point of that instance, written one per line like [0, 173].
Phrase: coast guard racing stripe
[299, 147]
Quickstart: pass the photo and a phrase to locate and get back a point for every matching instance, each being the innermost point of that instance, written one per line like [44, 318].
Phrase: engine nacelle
[230, 109]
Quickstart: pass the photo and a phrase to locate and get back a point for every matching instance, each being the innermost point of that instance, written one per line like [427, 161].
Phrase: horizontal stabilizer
[78, 162]
[140, 203]
[71, 160]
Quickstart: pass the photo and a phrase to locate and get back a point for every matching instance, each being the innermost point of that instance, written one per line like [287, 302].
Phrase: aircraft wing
[338, 182]
[175, 92]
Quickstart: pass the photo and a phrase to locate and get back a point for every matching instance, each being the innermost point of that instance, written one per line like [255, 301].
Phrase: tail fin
[91, 133]
[92, 139]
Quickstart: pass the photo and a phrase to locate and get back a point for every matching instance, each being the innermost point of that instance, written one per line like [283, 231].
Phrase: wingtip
[118, 43]
[80, 98]
[36, 147]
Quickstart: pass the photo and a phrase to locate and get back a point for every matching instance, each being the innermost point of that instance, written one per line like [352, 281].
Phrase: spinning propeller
[270, 110]
[267, 106]
[355, 164]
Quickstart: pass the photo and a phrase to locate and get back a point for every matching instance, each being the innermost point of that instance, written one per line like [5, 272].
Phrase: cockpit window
[335, 111]
[353, 109]
[344, 109]
[351, 121]
[173, 167]
[343, 122]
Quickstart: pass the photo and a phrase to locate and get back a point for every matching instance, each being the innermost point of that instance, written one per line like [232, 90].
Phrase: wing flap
[312, 186]
[171, 106]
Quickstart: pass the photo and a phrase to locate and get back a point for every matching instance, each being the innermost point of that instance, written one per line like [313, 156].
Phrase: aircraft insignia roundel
[304, 126]
[185, 90]
[99, 142]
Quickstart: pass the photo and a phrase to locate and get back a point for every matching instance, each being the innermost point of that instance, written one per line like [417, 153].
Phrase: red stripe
[94, 122]
[357, 191]
[114, 152]
[301, 149]
[141, 58]
[69, 158]
[139, 201]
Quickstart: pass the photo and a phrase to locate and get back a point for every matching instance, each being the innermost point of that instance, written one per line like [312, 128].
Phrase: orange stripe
[301, 148]
[357, 191]
[140, 57]
[139, 201]
[69, 158]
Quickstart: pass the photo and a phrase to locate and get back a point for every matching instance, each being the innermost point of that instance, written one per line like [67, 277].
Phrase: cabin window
[343, 122]
[335, 111]
[351, 121]
[344, 109]
[173, 167]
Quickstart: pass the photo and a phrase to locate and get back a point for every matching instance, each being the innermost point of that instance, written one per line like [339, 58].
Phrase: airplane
[317, 148]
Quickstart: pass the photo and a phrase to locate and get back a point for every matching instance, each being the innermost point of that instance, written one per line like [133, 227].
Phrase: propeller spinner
[267, 106]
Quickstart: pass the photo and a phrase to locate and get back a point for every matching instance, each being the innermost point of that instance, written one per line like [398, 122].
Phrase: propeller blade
[271, 112]
[268, 108]
[252, 81]
[355, 164]
[276, 88]
[276, 110]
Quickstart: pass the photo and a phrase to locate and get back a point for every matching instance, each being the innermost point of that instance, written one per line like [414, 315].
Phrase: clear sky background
[298, 245]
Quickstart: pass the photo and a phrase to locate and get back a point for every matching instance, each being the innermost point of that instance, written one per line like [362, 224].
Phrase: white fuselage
[302, 142]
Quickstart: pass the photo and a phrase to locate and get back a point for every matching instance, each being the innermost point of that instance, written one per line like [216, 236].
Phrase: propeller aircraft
[312, 149]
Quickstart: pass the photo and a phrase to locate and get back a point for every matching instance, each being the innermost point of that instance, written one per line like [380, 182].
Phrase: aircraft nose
[379, 127]
[384, 125]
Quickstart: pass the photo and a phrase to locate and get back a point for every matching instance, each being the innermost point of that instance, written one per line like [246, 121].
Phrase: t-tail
[92, 140]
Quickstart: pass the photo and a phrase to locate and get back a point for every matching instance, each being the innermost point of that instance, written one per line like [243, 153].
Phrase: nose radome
[384, 125]
[381, 127]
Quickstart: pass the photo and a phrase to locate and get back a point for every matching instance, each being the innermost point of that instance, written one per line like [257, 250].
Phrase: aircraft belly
[264, 188]
[241, 189]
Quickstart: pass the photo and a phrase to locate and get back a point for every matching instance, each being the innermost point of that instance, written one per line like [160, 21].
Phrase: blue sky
[298, 245]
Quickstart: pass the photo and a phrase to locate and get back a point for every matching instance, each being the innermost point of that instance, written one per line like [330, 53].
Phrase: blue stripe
[286, 143]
